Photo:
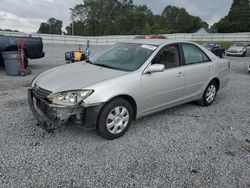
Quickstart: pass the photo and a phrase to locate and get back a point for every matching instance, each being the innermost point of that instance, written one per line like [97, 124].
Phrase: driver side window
[168, 56]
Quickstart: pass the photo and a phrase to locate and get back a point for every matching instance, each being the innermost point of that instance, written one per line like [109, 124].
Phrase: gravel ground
[186, 146]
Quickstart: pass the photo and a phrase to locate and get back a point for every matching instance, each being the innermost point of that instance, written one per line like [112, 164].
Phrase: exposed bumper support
[50, 117]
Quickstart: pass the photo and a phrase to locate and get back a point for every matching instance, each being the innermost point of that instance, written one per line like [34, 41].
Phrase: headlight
[242, 50]
[70, 98]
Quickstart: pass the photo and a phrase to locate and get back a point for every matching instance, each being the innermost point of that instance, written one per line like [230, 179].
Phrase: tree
[52, 26]
[146, 30]
[122, 17]
[180, 21]
[44, 28]
[237, 19]
[79, 28]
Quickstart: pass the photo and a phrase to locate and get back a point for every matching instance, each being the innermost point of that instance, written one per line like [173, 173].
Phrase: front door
[163, 88]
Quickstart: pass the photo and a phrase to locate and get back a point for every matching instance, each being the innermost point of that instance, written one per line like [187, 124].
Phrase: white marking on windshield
[150, 47]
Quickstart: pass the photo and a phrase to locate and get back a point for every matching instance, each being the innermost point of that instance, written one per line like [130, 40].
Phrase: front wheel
[209, 94]
[222, 55]
[114, 119]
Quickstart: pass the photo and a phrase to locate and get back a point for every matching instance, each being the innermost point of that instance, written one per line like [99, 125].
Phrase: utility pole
[72, 18]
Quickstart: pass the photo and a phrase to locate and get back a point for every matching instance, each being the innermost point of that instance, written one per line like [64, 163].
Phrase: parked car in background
[33, 46]
[128, 81]
[150, 37]
[239, 49]
[216, 48]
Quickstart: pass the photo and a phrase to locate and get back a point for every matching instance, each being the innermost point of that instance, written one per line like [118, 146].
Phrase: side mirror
[155, 68]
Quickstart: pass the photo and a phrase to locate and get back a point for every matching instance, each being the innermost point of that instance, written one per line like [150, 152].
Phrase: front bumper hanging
[50, 117]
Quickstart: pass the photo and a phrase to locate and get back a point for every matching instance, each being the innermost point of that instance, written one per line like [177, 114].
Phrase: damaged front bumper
[51, 117]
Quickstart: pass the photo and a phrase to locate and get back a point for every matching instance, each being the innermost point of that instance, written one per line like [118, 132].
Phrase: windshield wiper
[88, 61]
[104, 65]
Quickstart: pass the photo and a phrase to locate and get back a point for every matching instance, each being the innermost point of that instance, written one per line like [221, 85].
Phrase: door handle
[179, 74]
[210, 67]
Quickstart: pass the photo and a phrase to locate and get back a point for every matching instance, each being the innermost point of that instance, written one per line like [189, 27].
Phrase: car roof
[156, 42]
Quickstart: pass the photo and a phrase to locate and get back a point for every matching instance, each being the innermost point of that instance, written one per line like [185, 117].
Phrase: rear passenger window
[193, 54]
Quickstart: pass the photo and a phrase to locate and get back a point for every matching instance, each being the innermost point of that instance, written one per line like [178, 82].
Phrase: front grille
[41, 92]
[43, 107]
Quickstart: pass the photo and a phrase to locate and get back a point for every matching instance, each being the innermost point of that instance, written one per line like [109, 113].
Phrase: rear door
[198, 70]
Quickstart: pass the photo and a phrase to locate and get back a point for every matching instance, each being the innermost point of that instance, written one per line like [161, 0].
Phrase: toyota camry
[127, 81]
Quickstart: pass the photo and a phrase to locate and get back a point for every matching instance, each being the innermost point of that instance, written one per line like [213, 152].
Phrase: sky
[26, 15]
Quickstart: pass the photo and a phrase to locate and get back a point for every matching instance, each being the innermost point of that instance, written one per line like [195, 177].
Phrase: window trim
[179, 54]
[194, 63]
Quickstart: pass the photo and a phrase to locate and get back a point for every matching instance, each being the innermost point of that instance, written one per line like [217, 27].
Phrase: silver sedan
[126, 82]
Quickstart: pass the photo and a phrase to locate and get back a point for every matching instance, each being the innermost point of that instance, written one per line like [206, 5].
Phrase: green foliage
[180, 21]
[146, 30]
[78, 28]
[53, 26]
[113, 17]
[237, 19]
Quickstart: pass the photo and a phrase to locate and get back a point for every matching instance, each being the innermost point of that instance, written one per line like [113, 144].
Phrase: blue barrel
[11, 63]
[69, 56]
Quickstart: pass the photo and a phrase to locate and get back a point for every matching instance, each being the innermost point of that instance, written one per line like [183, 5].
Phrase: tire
[22, 73]
[207, 99]
[222, 55]
[244, 54]
[114, 119]
[25, 60]
[28, 70]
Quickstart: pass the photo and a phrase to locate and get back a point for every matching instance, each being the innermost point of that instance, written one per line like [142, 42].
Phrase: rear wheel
[115, 119]
[209, 94]
[244, 54]
[25, 60]
[22, 73]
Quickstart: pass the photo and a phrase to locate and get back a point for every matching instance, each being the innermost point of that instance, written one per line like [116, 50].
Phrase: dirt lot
[186, 146]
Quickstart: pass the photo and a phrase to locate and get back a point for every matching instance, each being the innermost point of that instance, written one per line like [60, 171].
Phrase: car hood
[236, 48]
[74, 76]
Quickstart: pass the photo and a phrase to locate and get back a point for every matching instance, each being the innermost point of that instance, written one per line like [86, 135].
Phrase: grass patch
[226, 44]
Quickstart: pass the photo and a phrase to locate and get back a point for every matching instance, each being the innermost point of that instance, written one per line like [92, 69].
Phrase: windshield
[243, 44]
[208, 45]
[124, 56]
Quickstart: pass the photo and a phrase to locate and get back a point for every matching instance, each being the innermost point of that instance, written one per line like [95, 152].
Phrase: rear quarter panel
[222, 71]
